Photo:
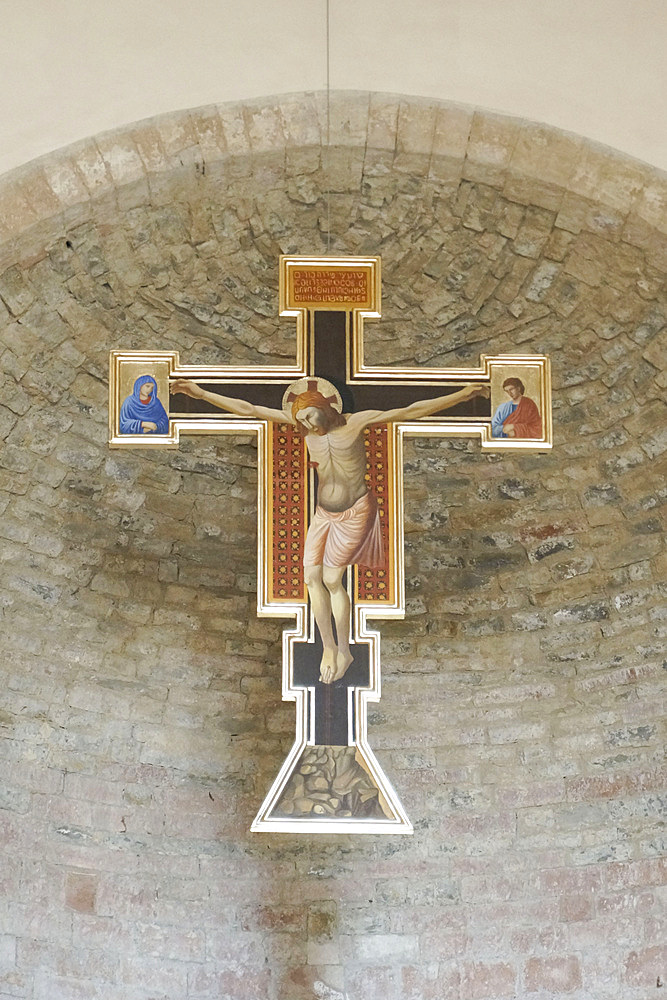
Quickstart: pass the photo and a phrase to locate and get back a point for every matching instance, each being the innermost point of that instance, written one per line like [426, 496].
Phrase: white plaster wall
[72, 68]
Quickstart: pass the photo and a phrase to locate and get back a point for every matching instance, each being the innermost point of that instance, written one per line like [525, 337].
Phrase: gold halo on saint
[312, 384]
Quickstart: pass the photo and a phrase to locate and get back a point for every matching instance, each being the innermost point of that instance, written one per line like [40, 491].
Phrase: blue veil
[133, 411]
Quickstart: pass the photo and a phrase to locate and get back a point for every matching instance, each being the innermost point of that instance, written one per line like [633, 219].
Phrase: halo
[312, 384]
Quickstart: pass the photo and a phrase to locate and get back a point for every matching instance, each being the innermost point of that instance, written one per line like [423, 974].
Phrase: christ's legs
[321, 602]
[340, 608]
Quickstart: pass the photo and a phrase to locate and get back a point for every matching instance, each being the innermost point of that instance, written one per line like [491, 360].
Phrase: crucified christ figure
[345, 530]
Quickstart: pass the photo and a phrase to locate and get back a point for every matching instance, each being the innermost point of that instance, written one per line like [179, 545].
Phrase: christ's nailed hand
[478, 389]
[187, 387]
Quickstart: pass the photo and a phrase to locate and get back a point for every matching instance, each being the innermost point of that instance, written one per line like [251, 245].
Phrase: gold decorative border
[149, 360]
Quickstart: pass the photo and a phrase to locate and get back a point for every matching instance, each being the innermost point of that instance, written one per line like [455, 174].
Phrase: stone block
[300, 121]
[557, 974]
[88, 164]
[546, 154]
[452, 131]
[235, 129]
[486, 980]
[81, 891]
[533, 233]
[349, 118]
[383, 117]
[38, 192]
[651, 205]
[209, 133]
[148, 143]
[177, 138]
[264, 126]
[321, 953]
[414, 137]
[491, 141]
[15, 212]
[377, 949]
[122, 158]
[15, 291]
[618, 186]
[7, 954]
[537, 193]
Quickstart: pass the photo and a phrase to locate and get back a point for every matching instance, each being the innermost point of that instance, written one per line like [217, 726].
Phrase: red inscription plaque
[330, 288]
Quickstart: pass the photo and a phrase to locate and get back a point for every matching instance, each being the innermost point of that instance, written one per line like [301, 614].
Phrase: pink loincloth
[351, 537]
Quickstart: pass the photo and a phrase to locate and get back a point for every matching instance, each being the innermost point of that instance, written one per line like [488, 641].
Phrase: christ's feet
[328, 665]
[343, 660]
[334, 665]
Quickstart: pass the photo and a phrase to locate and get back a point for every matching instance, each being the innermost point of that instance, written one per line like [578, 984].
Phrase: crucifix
[330, 431]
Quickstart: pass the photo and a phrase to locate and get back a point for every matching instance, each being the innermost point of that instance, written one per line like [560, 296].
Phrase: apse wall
[140, 710]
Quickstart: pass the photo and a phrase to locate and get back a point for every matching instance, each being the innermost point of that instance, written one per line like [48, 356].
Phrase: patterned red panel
[375, 584]
[289, 503]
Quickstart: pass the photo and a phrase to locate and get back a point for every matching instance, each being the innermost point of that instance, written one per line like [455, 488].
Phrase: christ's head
[313, 414]
[514, 388]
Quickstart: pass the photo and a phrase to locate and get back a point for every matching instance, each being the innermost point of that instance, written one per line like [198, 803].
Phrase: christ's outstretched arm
[240, 407]
[422, 408]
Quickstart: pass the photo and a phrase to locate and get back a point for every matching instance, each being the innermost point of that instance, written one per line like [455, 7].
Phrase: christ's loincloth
[351, 537]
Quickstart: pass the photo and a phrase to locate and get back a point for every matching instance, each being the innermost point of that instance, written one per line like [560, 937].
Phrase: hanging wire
[326, 160]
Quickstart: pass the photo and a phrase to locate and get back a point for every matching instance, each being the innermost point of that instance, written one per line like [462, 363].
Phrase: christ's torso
[341, 467]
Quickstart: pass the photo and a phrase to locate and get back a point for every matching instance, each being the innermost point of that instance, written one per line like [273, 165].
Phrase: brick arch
[533, 163]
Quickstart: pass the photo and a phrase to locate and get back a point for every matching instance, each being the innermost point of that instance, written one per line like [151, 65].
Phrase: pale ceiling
[73, 68]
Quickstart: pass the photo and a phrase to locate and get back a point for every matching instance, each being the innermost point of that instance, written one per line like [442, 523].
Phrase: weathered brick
[646, 967]
[557, 974]
[576, 908]
[480, 980]
[81, 891]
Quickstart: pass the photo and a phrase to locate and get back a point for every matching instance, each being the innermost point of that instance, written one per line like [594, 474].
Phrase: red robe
[525, 420]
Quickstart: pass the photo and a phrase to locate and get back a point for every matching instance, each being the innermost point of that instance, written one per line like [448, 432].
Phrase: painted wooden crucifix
[330, 507]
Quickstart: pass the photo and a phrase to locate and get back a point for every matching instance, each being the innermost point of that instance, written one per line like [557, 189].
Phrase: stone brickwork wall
[140, 709]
